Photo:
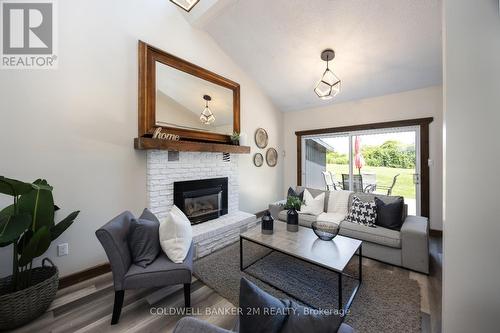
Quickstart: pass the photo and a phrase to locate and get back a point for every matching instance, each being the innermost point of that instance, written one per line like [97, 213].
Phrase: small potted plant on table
[28, 225]
[292, 217]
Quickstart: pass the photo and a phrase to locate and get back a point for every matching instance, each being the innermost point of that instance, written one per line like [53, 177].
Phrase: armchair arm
[276, 208]
[193, 325]
[113, 238]
[415, 243]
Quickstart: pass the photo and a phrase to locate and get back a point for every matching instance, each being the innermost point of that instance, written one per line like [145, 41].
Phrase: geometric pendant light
[207, 117]
[187, 5]
[329, 85]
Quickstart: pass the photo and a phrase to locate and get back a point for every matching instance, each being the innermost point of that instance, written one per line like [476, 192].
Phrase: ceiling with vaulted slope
[382, 46]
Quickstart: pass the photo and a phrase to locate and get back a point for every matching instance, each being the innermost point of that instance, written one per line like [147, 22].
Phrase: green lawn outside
[404, 185]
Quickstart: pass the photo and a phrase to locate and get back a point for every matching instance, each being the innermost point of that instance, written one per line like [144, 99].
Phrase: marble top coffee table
[304, 245]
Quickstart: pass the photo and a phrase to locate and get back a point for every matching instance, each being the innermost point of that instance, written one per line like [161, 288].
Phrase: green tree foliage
[333, 157]
[392, 154]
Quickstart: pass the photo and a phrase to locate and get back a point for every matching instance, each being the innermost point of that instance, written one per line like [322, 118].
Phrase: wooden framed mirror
[185, 99]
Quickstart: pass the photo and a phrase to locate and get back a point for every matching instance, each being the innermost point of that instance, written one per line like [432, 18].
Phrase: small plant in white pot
[28, 225]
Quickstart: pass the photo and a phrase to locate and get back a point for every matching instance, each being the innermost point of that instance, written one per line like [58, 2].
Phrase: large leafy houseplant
[28, 224]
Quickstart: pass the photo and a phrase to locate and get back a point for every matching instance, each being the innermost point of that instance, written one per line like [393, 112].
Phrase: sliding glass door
[384, 161]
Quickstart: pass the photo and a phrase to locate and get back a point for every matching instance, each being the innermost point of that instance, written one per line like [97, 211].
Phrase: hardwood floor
[87, 306]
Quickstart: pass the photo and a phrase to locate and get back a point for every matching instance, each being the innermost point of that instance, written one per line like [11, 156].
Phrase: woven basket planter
[20, 307]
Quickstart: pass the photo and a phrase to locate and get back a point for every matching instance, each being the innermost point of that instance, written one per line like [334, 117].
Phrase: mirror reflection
[188, 102]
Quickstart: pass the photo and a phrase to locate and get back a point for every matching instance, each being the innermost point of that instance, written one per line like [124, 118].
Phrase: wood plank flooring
[87, 306]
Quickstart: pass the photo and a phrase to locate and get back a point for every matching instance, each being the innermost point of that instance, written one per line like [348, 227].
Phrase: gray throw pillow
[389, 214]
[303, 319]
[283, 316]
[293, 193]
[147, 215]
[143, 239]
[260, 312]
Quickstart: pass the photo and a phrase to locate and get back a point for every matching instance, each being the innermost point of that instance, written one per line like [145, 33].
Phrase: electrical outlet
[62, 249]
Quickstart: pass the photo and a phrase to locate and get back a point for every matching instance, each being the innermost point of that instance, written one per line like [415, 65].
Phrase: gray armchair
[126, 275]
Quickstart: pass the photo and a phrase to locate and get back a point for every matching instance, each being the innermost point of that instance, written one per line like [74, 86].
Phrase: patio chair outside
[329, 182]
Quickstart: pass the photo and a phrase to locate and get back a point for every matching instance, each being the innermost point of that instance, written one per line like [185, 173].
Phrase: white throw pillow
[176, 235]
[338, 202]
[312, 206]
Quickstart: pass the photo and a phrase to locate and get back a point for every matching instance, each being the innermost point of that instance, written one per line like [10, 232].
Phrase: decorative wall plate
[271, 157]
[261, 138]
[258, 159]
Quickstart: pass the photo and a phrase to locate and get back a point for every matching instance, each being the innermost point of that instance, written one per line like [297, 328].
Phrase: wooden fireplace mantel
[149, 143]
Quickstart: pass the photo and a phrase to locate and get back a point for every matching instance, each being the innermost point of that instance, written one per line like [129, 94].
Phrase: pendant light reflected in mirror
[207, 117]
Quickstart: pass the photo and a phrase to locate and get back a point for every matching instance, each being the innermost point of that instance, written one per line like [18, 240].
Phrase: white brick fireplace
[161, 175]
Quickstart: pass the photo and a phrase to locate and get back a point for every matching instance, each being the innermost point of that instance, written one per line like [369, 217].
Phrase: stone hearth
[161, 175]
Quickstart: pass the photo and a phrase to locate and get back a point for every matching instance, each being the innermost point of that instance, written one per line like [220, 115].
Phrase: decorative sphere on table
[325, 231]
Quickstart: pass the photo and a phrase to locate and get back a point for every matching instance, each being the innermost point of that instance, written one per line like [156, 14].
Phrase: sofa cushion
[389, 214]
[378, 235]
[365, 197]
[273, 315]
[176, 235]
[143, 241]
[362, 212]
[305, 220]
[148, 215]
[313, 205]
[315, 192]
[303, 319]
[331, 217]
[293, 193]
[252, 298]
[338, 202]
[160, 272]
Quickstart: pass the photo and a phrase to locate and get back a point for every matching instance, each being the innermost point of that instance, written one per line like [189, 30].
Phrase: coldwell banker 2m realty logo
[29, 34]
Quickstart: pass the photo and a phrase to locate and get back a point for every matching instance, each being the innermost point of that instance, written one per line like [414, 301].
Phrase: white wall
[74, 126]
[471, 271]
[420, 103]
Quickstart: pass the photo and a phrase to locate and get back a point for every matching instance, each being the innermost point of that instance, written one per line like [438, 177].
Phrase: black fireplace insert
[201, 200]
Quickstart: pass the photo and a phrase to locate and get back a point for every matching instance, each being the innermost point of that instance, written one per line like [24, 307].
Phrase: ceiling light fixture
[187, 5]
[329, 85]
[207, 117]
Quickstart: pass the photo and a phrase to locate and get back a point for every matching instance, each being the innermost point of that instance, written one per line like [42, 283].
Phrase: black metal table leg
[241, 253]
[360, 263]
[340, 275]
[340, 291]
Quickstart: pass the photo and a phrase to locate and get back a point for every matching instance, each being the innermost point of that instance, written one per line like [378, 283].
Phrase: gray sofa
[408, 248]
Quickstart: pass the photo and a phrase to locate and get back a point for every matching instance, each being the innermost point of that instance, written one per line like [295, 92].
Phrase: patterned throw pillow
[363, 212]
